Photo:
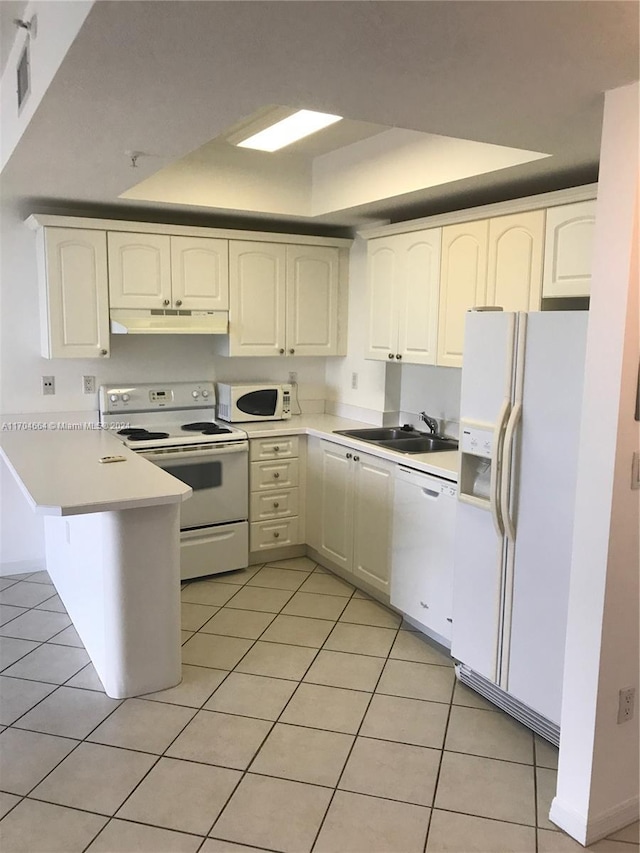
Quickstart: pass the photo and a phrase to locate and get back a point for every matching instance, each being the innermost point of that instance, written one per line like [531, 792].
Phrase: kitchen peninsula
[112, 547]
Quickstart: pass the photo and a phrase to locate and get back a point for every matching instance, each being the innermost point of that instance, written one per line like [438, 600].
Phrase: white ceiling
[167, 77]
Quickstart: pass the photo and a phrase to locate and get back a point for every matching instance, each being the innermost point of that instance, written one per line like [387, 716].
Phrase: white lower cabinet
[274, 504]
[349, 518]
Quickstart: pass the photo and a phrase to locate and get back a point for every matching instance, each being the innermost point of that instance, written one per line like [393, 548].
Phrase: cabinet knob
[424, 604]
[349, 455]
[291, 351]
[276, 504]
[356, 458]
[276, 476]
[276, 448]
[398, 355]
[281, 351]
[276, 535]
[390, 355]
[104, 352]
[165, 302]
[178, 302]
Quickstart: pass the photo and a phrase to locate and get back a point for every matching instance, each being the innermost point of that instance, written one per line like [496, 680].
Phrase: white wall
[434, 390]
[57, 26]
[598, 775]
[367, 402]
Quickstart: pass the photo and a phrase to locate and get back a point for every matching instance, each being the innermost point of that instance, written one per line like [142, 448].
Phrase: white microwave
[239, 402]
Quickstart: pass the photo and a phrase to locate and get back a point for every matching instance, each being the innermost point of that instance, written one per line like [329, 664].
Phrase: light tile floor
[308, 719]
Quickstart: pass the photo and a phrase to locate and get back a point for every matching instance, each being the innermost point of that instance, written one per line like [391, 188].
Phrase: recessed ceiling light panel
[291, 129]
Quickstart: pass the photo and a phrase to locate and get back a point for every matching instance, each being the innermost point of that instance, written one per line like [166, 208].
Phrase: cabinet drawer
[273, 534]
[274, 475]
[273, 448]
[273, 504]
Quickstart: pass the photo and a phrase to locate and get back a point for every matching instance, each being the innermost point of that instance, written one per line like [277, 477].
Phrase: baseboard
[272, 554]
[21, 567]
[589, 830]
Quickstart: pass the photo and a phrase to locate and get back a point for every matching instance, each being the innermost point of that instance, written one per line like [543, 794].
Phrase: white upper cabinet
[312, 300]
[257, 298]
[514, 277]
[403, 283]
[74, 298]
[160, 271]
[284, 299]
[200, 273]
[568, 249]
[463, 284]
[139, 270]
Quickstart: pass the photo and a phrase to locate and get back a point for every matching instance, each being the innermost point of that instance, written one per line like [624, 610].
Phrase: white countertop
[442, 464]
[60, 473]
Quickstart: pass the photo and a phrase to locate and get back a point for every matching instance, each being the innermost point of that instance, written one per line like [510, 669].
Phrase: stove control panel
[154, 397]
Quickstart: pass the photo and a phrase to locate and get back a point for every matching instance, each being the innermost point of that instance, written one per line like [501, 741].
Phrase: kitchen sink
[402, 440]
[380, 433]
[428, 444]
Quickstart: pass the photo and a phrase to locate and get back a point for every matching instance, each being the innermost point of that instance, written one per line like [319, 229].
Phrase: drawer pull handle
[276, 504]
[276, 535]
[276, 476]
[276, 448]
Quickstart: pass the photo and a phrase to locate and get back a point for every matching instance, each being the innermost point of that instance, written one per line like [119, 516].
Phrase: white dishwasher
[424, 512]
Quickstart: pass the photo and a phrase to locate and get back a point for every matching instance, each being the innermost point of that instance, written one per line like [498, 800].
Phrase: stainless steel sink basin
[380, 433]
[428, 444]
[401, 440]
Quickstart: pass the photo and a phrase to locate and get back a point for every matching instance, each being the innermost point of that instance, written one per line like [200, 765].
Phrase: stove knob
[205, 393]
[114, 398]
[125, 397]
[195, 394]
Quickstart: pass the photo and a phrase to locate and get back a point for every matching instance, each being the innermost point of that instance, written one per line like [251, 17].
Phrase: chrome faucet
[432, 423]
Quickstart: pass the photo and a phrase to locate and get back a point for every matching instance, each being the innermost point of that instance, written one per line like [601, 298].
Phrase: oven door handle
[185, 454]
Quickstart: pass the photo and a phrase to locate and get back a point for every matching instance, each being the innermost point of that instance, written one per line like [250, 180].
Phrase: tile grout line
[257, 752]
[355, 739]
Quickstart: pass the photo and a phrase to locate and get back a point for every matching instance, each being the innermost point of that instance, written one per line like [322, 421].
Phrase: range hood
[157, 322]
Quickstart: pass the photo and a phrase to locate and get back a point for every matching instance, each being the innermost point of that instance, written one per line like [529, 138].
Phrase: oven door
[218, 475]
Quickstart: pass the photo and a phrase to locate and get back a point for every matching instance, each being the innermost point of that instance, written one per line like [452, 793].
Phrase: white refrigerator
[519, 433]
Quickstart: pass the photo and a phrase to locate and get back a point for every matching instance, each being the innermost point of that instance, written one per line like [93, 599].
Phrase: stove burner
[206, 428]
[143, 435]
[131, 431]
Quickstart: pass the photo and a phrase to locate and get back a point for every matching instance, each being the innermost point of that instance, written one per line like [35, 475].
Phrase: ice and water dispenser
[476, 462]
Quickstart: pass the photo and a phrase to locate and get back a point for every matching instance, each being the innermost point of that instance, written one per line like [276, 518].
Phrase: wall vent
[23, 76]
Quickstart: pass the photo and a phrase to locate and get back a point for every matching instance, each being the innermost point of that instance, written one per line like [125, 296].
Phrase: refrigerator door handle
[496, 468]
[505, 509]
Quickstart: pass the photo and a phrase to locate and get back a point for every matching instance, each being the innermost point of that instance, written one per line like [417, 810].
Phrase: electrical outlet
[88, 384]
[293, 377]
[626, 701]
[48, 384]
[354, 381]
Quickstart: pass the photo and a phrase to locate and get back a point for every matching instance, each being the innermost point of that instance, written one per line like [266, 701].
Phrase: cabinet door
[139, 270]
[418, 297]
[74, 293]
[463, 284]
[514, 279]
[200, 273]
[257, 293]
[568, 249]
[383, 283]
[372, 516]
[312, 300]
[334, 505]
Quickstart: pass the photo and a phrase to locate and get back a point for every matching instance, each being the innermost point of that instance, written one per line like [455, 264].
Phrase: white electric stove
[173, 425]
